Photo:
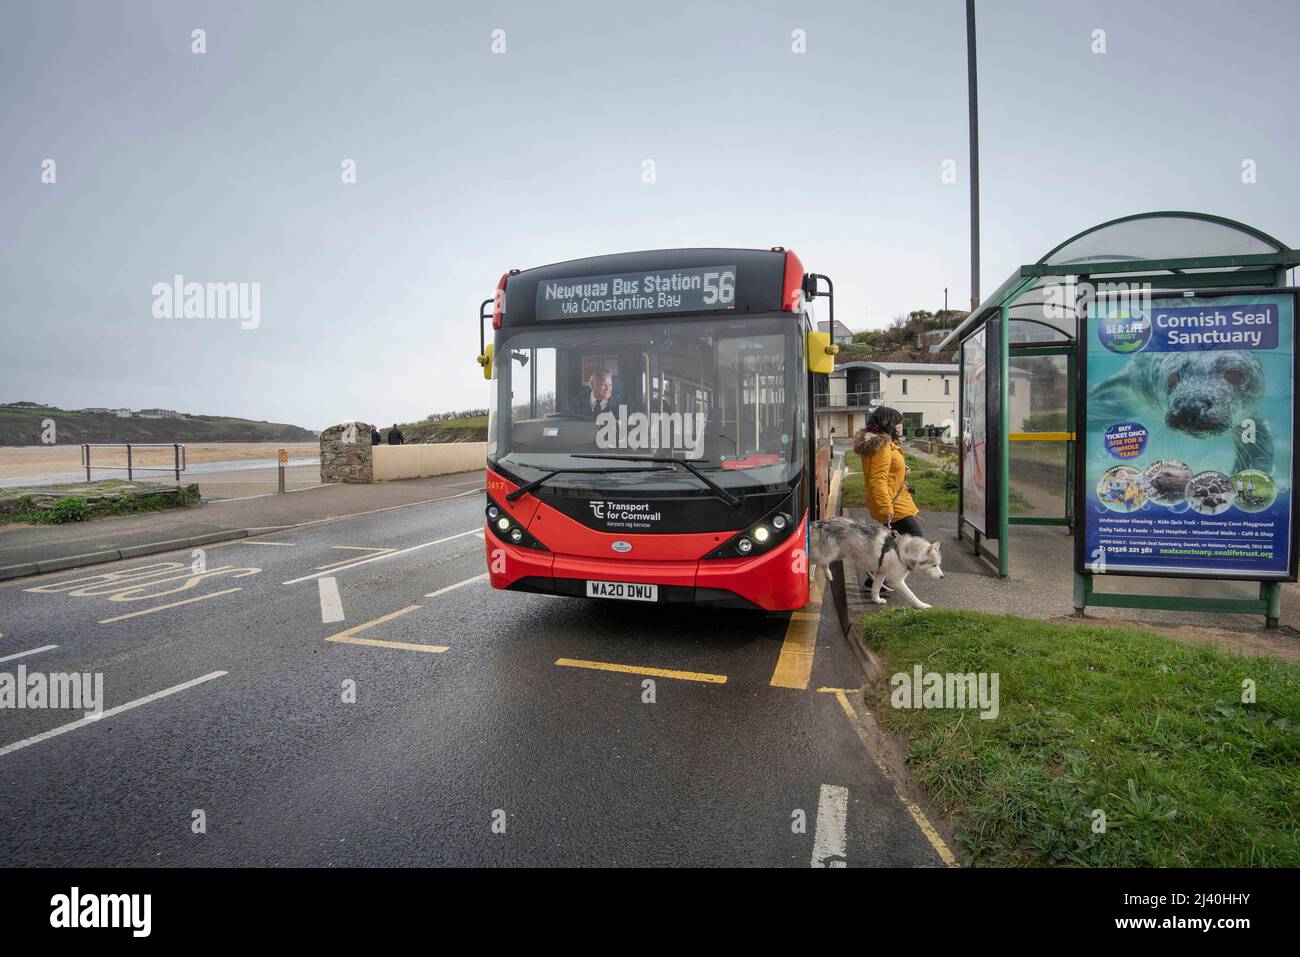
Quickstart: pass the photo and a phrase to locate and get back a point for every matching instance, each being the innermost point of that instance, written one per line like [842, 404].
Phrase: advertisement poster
[1188, 435]
[974, 438]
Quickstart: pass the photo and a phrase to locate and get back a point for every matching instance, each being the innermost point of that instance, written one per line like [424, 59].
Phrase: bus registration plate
[628, 591]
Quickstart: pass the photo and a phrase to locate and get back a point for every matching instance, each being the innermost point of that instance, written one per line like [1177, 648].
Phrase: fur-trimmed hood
[869, 443]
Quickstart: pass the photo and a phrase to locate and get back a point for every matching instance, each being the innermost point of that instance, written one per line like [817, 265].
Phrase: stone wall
[346, 454]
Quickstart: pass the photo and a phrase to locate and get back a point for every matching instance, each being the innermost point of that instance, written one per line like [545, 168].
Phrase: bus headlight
[744, 546]
[501, 524]
[779, 522]
[761, 534]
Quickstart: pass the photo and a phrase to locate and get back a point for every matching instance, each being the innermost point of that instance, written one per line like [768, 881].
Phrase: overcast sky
[226, 166]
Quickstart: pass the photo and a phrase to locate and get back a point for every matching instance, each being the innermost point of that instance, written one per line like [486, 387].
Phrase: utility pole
[973, 95]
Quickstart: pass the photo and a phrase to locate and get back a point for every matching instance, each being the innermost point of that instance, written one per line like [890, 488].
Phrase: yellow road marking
[175, 604]
[639, 670]
[346, 637]
[794, 665]
[359, 548]
[918, 815]
[403, 645]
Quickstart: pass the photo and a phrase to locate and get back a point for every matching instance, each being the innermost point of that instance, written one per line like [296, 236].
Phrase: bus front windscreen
[722, 394]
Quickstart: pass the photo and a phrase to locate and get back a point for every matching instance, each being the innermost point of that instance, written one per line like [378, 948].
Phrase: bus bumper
[774, 581]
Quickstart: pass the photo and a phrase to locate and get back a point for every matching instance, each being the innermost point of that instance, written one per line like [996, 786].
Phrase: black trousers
[907, 526]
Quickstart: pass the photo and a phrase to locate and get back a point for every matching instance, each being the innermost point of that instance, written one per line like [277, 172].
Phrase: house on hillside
[122, 413]
[924, 392]
[158, 414]
[841, 335]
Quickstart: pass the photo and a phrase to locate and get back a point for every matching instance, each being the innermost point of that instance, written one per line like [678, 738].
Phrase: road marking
[346, 637]
[248, 541]
[918, 815]
[830, 839]
[24, 654]
[82, 722]
[467, 581]
[639, 670]
[349, 561]
[794, 665]
[377, 558]
[175, 604]
[331, 603]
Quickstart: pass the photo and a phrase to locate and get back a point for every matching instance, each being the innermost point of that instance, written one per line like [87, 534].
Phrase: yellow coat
[884, 475]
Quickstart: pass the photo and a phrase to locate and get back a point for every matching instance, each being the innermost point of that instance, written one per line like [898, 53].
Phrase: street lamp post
[973, 96]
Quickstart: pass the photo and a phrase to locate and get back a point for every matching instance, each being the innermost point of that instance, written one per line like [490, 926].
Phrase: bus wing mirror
[485, 360]
[821, 352]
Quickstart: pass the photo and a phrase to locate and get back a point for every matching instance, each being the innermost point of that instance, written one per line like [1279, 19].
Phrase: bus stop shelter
[1019, 373]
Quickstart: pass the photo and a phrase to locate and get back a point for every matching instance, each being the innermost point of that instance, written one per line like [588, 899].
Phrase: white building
[924, 392]
[842, 334]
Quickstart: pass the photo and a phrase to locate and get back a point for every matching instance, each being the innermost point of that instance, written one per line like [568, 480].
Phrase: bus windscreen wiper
[728, 497]
[551, 473]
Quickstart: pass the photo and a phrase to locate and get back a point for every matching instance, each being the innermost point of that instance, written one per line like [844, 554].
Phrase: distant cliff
[23, 423]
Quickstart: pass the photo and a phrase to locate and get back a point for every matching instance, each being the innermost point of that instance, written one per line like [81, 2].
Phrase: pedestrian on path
[395, 436]
[884, 472]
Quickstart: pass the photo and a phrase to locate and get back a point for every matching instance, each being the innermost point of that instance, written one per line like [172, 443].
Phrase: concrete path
[1040, 585]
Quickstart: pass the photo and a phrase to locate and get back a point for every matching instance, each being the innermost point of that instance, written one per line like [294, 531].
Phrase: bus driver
[601, 398]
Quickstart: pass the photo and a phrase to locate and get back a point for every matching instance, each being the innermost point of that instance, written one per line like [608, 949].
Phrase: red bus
[650, 435]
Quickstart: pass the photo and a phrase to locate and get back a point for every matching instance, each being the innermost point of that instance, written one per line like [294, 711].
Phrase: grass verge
[934, 486]
[80, 508]
[1148, 731]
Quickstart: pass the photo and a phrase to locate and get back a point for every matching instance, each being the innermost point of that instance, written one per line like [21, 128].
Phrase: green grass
[935, 487]
[466, 429]
[23, 426]
[78, 508]
[1149, 730]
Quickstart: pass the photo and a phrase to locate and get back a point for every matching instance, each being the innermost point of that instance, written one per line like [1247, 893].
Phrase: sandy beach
[19, 461]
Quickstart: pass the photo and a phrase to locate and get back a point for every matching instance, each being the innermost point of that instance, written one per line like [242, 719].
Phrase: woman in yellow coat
[884, 472]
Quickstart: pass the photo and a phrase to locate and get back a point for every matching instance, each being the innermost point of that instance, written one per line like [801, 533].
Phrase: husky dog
[1201, 397]
[880, 552]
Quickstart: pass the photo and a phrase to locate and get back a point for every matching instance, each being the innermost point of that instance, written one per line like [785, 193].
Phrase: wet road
[355, 694]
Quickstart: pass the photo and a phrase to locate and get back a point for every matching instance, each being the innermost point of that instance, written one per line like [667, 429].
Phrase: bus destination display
[703, 289]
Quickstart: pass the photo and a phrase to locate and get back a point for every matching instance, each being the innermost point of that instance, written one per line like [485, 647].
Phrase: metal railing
[177, 466]
[829, 400]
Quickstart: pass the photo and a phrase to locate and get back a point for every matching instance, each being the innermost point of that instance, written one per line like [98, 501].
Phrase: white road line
[380, 558]
[830, 841]
[34, 651]
[331, 603]
[443, 591]
[64, 728]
